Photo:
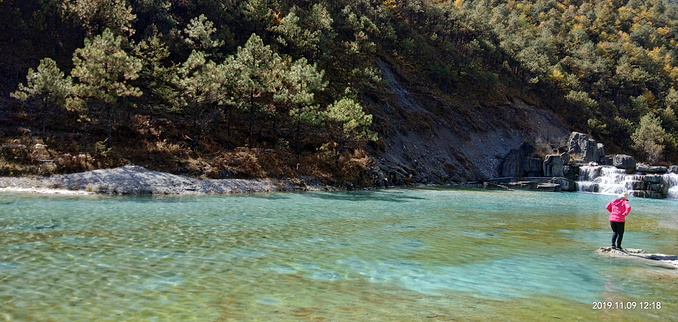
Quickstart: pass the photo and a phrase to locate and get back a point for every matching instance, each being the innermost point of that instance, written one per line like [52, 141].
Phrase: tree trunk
[251, 118]
[340, 148]
[194, 139]
[228, 127]
[109, 130]
[297, 139]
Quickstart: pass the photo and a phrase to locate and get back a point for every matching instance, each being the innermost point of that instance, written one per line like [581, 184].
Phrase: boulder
[606, 160]
[585, 148]
[565, 184]
[673, 169]
[651, 168]
[600, 153]
[533, 167]
[570, 172]
[515, 163]
[623, 161]
[553, 166]
[511, 166]
[565, 157]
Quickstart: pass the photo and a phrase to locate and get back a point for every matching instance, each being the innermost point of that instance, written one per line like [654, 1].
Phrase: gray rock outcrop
[623, 161]
[645, 169]
[534, 167]
[136, 180]
[582, 147]
[553, 166]
[518, 163]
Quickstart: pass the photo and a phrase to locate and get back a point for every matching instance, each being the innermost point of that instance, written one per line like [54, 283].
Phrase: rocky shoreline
[135, 180]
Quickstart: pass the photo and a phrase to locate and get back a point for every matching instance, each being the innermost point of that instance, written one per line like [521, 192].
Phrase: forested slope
[329, 89]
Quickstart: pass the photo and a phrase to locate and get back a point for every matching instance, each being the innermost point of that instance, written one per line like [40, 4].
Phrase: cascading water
[672, 182]
[602, 179]
[610, 180]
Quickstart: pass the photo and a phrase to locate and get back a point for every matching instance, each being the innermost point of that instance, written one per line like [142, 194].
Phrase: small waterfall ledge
[611, 180]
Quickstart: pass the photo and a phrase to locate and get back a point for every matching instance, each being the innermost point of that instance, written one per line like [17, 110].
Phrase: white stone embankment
[135, 180]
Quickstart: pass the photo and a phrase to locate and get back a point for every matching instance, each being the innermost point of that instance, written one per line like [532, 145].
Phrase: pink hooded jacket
[618, 209]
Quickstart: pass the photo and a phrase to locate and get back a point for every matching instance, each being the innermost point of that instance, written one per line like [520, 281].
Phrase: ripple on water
[161, 282]
[8, 266]
[267, 301]
[284, 269]
[510, 278]
[326, 275]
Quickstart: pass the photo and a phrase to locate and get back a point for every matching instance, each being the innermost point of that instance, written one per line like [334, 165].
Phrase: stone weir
[583, 166]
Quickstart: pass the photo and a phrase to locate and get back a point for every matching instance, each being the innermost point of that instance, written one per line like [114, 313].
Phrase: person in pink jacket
[619, 208]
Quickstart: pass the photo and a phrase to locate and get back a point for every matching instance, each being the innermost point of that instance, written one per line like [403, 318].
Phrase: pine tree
[258, 77]
[47, 89]
[200, 35]
[347, 123]
[300, 83]
[649, 137]
[199, 84]
[96, 15]
[104, 70]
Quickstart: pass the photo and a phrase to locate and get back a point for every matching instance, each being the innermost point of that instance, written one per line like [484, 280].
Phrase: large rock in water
[585, 148]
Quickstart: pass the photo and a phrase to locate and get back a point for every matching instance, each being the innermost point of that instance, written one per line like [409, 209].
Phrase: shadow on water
[379, 195]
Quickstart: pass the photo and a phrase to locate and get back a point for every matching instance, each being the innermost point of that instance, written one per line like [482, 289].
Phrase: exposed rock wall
[434, 140]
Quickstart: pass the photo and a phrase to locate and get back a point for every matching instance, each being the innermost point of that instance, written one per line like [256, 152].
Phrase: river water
[401, 254]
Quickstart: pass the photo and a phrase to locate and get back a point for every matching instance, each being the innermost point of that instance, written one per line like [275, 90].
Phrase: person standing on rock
[619, 208]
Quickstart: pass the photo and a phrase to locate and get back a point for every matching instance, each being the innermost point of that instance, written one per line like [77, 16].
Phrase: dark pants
[617, 232]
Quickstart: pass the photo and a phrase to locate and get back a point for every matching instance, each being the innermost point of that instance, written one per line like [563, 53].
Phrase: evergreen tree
[347, 124]
[97, 15]
[155, 77]
[198, 82]
[47, 89]
[300, 83]
[104, 70]
[200, 35]
[258, 76]
[649, 137]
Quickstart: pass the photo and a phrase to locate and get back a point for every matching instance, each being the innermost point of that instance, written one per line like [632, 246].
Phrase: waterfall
[672, 181]
[603, 179]
[610, 180]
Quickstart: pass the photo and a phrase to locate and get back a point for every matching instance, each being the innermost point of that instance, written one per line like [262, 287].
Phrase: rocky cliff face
[431, 139]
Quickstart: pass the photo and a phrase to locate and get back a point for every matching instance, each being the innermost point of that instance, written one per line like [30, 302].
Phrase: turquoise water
[403, 254]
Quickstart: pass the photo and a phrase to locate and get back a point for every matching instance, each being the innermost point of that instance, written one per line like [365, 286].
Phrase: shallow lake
[400, 254]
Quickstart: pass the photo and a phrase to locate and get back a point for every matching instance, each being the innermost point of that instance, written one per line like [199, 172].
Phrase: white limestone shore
[135, 180]
[661, 260]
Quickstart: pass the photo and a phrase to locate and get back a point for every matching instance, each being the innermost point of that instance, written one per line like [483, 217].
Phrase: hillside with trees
[267, 88]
